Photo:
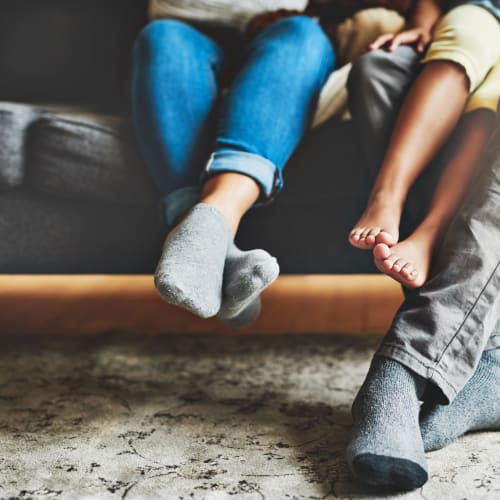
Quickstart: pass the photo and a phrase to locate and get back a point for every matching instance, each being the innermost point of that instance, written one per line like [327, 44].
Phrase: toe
[408, 271]
[355, 234]
[398, 265]
[357, 238]
[371, 236]
[389, 262]
[381, 251]
[386, 238]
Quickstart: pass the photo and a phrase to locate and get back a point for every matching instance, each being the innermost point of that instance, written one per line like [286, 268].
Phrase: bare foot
[378, 224]
[407, 262]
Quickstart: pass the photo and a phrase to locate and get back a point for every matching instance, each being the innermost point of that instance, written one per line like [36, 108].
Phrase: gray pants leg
[442, 328]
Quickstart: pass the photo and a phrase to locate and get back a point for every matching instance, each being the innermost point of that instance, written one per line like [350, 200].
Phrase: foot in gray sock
[246, 275]
[190, 270]
[244, 318]
[386, 448]
[475, 408]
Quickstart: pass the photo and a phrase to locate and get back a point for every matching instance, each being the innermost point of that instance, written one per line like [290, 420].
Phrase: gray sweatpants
[441, 329]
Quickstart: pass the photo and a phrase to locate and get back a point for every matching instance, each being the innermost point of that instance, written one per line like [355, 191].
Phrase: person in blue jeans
[216, 146]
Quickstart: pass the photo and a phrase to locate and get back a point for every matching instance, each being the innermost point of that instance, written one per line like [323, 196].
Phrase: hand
[418, 36]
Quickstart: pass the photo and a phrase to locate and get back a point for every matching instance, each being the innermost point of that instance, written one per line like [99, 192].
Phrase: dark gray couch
[75, 197]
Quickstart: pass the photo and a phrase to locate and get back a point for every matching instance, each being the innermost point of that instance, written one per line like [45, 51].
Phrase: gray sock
[190, 270]
[386, 448]
[246, 275]
[475, 408]
[244, 318]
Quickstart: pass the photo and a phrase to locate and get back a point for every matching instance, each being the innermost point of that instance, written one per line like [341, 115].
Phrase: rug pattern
[199, 417]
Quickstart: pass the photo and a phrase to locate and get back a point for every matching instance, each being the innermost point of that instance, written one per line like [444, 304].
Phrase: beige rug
[187, 417]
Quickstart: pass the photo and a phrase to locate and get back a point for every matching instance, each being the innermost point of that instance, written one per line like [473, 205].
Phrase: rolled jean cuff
[260, 169]
[177, 202]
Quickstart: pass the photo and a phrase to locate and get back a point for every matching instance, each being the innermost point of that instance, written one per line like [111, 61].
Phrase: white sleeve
[236, 13]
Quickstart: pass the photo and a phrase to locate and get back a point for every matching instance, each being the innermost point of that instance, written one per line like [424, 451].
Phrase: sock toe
[380, 470]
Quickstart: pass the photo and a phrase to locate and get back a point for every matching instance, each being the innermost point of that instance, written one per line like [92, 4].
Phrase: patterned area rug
[198, 417]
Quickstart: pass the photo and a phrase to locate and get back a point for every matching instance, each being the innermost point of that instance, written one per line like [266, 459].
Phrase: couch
[80, 229]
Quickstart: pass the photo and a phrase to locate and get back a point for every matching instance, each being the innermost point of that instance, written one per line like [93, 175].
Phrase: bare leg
[422, 127]
[409, 261]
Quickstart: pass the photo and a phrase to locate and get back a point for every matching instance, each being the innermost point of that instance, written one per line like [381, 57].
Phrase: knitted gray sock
[386, 448]
[244, 318]
[190, 270]
[475, 408]
[246, 275]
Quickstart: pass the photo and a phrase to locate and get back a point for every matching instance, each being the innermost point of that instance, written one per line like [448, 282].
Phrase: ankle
[428, 235]
[231, 213]
[388, 198]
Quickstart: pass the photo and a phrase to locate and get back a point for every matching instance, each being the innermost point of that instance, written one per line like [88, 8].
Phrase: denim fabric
[442, 328]
[182, 122]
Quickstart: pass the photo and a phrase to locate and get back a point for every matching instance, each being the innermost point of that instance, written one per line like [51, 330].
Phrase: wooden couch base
[91, 304]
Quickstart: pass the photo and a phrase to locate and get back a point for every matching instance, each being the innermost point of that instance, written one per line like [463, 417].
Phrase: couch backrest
[68, 51]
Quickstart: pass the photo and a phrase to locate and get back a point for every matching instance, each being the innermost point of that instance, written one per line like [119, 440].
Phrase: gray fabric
[386, 448]
[442, 328]
[246, 275]
[326, 190]
[476, 408]
[191, 267]
[87, 157]
[246, 316]
[41, 234]
[15, 120]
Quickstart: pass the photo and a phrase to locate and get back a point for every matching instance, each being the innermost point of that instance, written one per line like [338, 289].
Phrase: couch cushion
[42, 234]
[14, 122]
[80, 155]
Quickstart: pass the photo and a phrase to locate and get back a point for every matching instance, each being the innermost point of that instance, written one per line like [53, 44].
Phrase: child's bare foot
[407, 262]
[378, 224]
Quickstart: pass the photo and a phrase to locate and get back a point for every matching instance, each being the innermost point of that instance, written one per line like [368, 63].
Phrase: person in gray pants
[443, 347]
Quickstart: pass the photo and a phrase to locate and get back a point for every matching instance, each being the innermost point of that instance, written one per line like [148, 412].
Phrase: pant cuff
[261, 170]
[178, 202]
[420, 367]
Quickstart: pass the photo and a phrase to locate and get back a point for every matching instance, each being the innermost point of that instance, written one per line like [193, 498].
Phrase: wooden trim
[91, 304]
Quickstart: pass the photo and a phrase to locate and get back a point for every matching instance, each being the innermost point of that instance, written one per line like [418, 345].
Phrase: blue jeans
[185, 127]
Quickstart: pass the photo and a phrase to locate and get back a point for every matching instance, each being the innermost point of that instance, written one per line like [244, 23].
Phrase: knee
[302, 34]
[301, 39]
[365, 71]
[163, 35]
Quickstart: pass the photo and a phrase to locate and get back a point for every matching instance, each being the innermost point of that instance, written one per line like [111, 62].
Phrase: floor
[199, 417]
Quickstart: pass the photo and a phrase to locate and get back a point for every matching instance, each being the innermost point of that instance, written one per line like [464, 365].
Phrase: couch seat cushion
[80, 155]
